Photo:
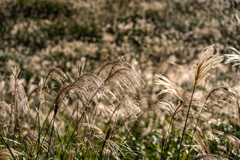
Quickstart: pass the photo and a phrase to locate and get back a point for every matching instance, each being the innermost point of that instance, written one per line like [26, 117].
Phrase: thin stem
[51, 137]
[185, 125]
[8, 147]
[194, 130]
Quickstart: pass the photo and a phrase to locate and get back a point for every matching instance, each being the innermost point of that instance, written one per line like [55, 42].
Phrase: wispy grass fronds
[231, 93]
[113, 149]
[171, 88]
[129, 107]
[120, 75]
[163, 105]
[20, 99]
[110, 65]
[56, 74]
[125, 78]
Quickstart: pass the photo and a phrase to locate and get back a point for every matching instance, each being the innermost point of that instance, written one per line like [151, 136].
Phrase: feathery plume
[207, 61]
[171, 88]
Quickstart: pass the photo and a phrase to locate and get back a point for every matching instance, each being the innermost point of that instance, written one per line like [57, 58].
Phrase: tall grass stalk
[207, 60]
[185, 125]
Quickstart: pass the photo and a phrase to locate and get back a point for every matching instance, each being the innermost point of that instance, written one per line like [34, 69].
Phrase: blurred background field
[37, 35]
[155, 37]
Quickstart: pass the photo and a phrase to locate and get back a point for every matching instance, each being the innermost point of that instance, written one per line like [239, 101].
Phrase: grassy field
[130, 79]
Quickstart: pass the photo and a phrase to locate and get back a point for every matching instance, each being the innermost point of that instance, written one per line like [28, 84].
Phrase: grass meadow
[129, 79]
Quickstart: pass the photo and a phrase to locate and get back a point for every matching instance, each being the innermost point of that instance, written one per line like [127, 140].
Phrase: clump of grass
[92, 116]
[111, 90]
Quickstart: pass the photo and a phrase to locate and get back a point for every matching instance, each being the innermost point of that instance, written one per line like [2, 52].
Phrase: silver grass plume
[125, 78]
[233, 58]
[86, 86]
[20, 99]
[121, 75]
[207, 61]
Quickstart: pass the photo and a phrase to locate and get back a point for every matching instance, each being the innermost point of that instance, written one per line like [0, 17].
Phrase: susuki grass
[103, 108]
[92, 116]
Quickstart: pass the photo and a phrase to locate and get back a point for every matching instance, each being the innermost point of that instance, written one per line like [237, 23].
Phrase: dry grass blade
[206, 62]
[209, 157]
[171, 88]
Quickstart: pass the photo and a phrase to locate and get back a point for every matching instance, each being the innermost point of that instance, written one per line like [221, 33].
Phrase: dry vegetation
[126, 79]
